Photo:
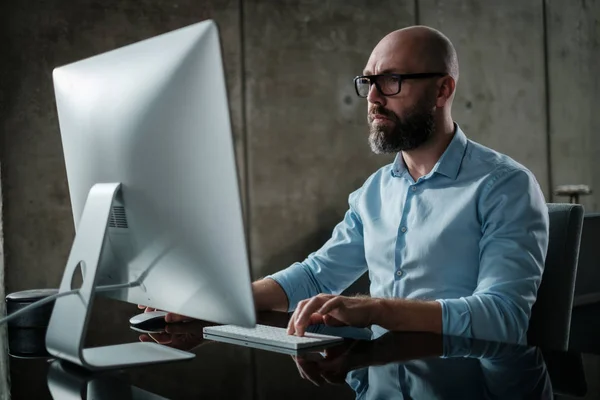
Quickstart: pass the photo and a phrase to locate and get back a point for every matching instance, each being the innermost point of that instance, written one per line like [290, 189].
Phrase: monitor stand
[70, 316]
[67, 381]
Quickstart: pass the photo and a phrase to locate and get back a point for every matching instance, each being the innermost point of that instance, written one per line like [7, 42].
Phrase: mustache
[379, 110]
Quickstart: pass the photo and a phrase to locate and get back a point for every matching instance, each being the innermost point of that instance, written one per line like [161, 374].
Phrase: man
[453, 234]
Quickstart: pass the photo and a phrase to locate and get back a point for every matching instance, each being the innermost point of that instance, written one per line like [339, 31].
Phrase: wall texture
[574, 86]
[529, 88]
[4, 382]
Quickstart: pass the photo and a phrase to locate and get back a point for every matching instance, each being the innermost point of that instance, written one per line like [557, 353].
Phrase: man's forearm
[269, 296]
[408, 315]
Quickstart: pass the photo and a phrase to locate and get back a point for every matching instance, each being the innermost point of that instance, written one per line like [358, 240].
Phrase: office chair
[587, 285]
[550, 321]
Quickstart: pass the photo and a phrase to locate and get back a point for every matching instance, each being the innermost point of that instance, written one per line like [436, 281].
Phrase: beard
[406, 133]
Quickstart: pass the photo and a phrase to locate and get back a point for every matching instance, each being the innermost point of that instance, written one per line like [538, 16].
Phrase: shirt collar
[448, 164]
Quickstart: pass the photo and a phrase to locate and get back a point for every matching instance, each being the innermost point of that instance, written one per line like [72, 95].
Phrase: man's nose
[375, 96]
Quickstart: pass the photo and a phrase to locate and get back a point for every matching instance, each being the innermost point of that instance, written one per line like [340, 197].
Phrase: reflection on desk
[389, 366]
[69, 381]
[465, 369]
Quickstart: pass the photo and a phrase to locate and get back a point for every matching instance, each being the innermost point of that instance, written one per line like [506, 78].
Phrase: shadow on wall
[8, 87]
[300, 249]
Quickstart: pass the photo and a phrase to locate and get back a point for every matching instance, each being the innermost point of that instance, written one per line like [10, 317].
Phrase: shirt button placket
[403, 228]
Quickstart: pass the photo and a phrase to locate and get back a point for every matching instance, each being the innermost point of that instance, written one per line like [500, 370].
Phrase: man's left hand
[183, 336]
[334, 311]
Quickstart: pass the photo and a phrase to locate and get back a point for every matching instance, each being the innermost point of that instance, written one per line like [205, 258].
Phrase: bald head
[406, 113]
[416, 49]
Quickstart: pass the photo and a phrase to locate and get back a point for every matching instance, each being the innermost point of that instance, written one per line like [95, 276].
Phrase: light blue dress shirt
[472, 234]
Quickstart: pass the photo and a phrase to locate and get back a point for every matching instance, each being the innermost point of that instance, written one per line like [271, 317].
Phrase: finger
[332, 321]
[315, 319]
[191, 328]
[329, 306]
[161, 338]
[141, 306]
[145, 338]
[172, 317]
[177, 329]
[149, 309]
[291, 322]
[309, 309]
[310, 371]
[298, 367]
[291, 330]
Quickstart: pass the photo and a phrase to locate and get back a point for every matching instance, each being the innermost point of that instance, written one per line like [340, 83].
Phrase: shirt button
[414, 188]
[403, 229]
[399, 273]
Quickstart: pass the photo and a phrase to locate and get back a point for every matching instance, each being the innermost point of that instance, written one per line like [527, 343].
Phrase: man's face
[404, 121]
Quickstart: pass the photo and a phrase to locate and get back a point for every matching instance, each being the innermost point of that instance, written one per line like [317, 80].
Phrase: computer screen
[153, 182]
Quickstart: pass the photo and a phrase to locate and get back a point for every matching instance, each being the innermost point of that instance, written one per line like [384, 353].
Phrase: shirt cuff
[456, 346]
[297, 284]
[456, 317]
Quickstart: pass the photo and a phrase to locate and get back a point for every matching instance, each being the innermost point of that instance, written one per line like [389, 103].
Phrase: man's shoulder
[489, 161]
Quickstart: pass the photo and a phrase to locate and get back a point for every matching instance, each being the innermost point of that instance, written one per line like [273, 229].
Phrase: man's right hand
[170, 317]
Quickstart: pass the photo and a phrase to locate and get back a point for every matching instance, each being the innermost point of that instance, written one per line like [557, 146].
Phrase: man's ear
[445, 91]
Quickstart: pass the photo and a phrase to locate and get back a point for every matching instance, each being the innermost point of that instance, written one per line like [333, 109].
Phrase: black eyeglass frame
[373, 81]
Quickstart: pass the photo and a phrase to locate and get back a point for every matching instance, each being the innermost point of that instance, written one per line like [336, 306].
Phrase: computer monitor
[152, 176]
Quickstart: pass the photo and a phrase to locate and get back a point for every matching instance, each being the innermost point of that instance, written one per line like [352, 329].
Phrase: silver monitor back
[153, 116]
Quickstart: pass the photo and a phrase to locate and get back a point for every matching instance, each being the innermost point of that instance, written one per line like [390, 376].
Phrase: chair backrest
[587, 284]
[550, 321]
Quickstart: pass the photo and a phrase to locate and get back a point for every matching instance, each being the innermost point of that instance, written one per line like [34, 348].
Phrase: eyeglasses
[387, 84]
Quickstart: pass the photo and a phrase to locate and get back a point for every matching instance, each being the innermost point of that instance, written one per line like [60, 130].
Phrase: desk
[395, 365]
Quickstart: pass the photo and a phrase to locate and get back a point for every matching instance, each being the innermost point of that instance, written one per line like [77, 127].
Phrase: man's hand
[169, 318]
[332, 368]
[334, 311]
[179, 336]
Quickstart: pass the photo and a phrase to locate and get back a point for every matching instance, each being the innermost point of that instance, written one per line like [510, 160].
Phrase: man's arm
[513, 250]
[390, 314]
[269, 296]
[331, 269]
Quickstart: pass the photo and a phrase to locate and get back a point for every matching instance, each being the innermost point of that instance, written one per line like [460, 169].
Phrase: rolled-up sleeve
[513, 248]
[332, 268]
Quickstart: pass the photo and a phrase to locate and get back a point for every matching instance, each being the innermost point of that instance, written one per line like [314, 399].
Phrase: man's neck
[421, 161]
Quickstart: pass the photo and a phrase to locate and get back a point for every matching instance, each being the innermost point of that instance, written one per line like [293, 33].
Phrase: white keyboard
[267, 336]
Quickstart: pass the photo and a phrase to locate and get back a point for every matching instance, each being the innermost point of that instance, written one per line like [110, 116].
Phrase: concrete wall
[574, 87]
[528, 87]
[4, 384]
